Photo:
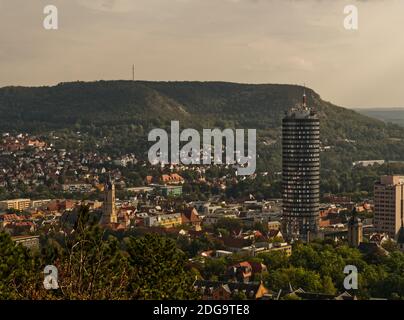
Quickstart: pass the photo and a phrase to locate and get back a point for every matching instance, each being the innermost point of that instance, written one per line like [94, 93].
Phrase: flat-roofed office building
[389, 205]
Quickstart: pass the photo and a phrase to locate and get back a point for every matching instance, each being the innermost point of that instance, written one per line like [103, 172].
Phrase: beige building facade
[389, 205]
[16, 204]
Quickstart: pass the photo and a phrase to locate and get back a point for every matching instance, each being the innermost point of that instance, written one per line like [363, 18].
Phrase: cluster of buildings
[303, 218]
[229, 290]
[340, 220]
[299, 215]
[31, 162]
[144, 213]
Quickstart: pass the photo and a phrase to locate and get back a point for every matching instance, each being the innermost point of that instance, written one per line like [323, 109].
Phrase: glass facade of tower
[301, 173]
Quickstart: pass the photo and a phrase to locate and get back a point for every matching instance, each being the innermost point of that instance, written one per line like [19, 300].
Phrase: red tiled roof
[10, 217]
[24, 224]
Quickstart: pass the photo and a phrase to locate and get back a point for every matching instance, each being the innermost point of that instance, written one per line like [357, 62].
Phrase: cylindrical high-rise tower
[301, 172]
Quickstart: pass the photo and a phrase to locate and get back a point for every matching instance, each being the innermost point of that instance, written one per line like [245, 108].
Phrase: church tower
[355, 230]
[109, 215]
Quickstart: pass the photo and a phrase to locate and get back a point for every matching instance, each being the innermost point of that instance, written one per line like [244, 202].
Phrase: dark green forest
[130, 109]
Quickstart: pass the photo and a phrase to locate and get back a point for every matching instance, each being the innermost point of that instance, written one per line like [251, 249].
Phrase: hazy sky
[248, 41]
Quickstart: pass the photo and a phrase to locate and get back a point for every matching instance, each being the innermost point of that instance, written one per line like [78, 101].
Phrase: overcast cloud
[248, 41]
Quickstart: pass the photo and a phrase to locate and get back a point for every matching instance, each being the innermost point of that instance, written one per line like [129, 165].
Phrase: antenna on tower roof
[133, 72]
[304, 96]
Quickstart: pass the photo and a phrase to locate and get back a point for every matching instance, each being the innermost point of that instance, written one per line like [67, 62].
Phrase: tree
[275, 259]
[158, 269]
[328, 285]
[214, 267]
[240, 295]
[390, 246]
[232, 225]
[92, 267]
[309, 281]
[19, 276]
[291, 296]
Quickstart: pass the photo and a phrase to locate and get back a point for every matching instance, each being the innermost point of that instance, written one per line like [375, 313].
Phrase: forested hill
[124, 111]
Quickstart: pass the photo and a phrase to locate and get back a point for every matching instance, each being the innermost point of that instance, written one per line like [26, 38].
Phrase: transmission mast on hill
[133, 72]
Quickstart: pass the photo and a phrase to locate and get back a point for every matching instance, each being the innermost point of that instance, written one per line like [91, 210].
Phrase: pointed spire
[108, 183]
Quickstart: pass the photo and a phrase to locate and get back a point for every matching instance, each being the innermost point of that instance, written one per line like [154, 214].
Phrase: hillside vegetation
[117, 116]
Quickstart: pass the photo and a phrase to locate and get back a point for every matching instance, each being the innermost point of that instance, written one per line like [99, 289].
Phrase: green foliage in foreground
[318, 267]
[18, 279]
[92, 267]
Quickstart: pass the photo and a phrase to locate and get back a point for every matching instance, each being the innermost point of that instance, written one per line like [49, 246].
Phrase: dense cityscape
[294, 247]
[199, 158]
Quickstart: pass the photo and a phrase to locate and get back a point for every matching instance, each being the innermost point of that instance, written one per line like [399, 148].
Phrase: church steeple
[355, 230]
[109, 215]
